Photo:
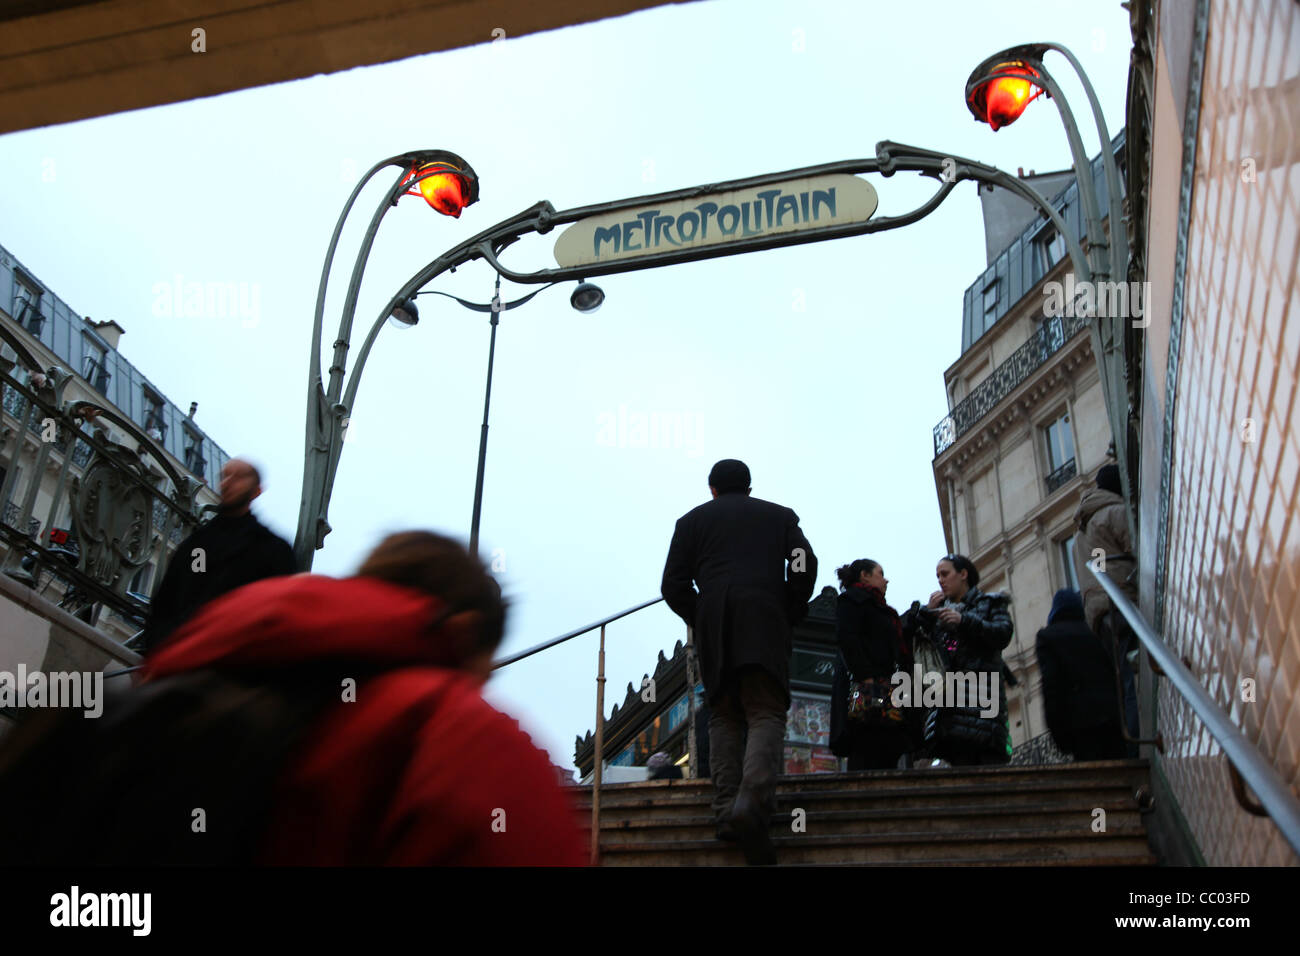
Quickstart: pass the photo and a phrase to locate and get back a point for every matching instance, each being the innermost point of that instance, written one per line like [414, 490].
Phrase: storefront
[638, 728]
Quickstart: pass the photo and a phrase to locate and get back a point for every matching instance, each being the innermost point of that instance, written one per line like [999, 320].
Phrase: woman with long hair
[872, 648]
[972, 628]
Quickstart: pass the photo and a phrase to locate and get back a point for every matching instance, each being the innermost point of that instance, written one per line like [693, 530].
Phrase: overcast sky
[821, 366]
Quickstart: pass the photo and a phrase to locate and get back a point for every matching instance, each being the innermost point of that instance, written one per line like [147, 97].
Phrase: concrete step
[1106, 794]
[1060, 775]
[960, 816]
[955, 820]
[1027, 846]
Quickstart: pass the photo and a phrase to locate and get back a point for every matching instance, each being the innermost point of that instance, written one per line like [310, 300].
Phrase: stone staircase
[973, 816]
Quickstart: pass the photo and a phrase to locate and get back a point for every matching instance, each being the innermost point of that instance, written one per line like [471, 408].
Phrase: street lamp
[587, 298]
[448, 184]
[997, 93]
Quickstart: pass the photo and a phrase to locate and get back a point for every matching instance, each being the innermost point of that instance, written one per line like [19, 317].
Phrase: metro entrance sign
[718, 218]
[811, 204]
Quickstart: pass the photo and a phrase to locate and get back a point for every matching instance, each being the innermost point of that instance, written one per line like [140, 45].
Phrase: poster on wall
[808, 721]
[800, 759]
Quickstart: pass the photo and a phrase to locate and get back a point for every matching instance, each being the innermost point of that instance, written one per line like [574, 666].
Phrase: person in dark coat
[231, 550]
[661, 767]
[871, 646]
[736, 549]
[974, 627]
[1079, 696]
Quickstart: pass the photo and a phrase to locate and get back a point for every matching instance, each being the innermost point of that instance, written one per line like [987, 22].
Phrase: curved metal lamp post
[997, 93]
[448, 184]
[586, 298]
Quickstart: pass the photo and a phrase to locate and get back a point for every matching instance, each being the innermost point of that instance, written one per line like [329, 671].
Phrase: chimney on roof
[109, 331]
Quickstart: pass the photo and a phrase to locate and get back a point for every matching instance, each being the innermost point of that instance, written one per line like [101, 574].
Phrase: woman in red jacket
[408, 764]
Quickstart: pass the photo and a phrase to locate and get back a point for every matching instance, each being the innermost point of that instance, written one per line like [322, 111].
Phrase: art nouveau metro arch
[812, 204]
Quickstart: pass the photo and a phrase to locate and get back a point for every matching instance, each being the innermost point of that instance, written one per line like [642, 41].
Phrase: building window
[1071, 577]
[95, 370]
[193, 453]
[990, 303]
[1050, 248]
[27, 305]
[1060, 453]
[140, 582]
[155, 424]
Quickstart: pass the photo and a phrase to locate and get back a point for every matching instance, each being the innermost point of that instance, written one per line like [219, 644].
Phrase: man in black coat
[1079, 695]
[231, 550]
[736, 549]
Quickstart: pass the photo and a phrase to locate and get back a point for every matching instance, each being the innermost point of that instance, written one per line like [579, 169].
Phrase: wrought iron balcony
[1023, 362]
[127, 503]
[1059, 477]
[13, 513]
[15, 404]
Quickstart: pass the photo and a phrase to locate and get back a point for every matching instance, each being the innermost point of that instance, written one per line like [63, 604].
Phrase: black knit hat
[729, 474]
[1108, 479]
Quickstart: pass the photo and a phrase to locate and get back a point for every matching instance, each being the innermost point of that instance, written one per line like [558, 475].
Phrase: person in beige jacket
[1102, 523]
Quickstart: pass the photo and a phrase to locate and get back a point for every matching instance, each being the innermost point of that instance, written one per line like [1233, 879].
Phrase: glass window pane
[1067, 559]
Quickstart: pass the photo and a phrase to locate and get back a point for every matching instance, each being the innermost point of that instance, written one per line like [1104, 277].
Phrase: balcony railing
[1061, 476]
[127, 503]
[15, 404]
[1024, 361]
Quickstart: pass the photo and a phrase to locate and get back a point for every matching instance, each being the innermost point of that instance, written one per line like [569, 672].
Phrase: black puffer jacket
[958, 734]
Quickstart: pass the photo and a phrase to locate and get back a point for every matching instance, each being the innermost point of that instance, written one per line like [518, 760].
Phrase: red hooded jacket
[419, 769]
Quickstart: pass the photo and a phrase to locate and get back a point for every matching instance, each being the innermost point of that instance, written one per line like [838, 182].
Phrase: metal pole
[1105, 265]
[599, 752]
[483, 433]
[1112, 342]
[694, 764]
[321, 432]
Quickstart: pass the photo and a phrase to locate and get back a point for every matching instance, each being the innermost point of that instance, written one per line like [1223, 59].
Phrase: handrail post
[599, 752]
[694, 764]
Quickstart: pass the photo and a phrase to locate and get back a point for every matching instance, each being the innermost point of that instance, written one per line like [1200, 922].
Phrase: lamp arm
[1083, 175]
[1118, 236]
[481, 307]
[354, 288]
[329, 262]
[1111, 360]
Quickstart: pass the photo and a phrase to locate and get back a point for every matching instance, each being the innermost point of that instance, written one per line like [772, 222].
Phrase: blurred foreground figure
[231, 550]
[303, 720]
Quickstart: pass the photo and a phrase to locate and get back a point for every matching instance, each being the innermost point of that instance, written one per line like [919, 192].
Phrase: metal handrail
[598, 753]
[572, 634]
[1273, 792]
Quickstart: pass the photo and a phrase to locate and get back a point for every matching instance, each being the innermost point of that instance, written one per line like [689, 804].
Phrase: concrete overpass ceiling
[68, 60]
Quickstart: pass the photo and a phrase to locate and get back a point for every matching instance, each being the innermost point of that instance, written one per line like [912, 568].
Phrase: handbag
[871, 703]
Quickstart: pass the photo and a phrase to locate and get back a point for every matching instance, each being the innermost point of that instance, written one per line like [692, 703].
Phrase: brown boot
[752, 828]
